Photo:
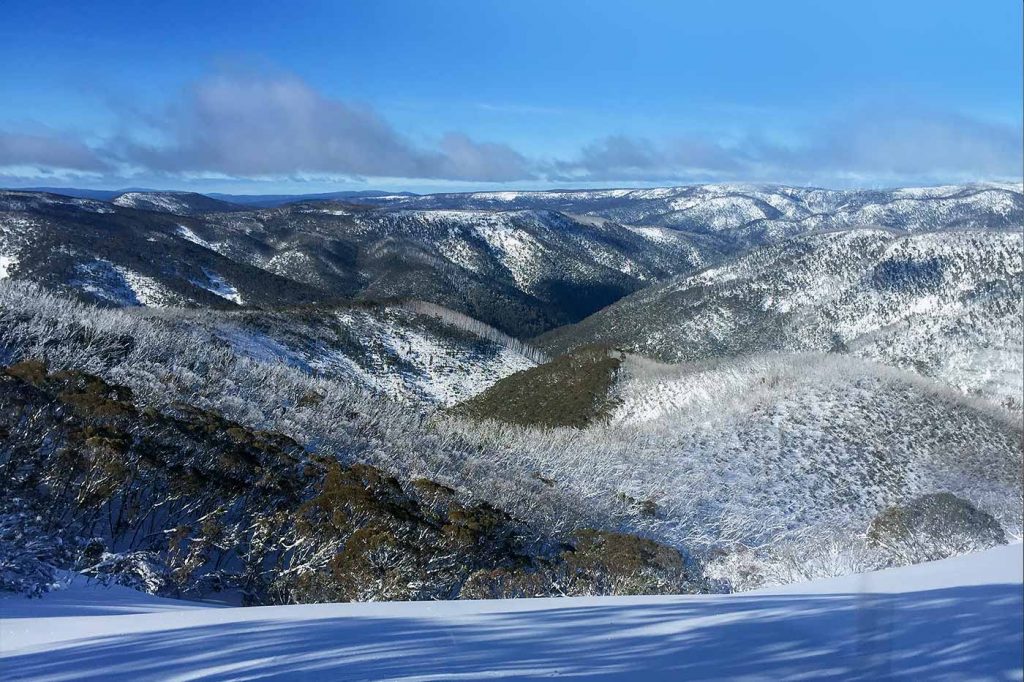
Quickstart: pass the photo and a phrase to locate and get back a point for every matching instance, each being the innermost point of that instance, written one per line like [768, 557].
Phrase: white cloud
[47, 150]
[256, 125]
[890, 146]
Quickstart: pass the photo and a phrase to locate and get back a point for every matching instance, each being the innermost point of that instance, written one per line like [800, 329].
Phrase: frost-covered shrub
[22, 572]
[612, 563]
[27, 555]
[595, 563]
[812, 554]
[933, 526]
[143, 571]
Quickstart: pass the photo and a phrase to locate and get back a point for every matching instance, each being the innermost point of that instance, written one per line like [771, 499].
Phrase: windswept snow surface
[955, 619]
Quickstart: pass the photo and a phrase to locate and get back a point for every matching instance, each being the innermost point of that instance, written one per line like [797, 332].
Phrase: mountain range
[521, 271]
[699, 385]
[946, 304]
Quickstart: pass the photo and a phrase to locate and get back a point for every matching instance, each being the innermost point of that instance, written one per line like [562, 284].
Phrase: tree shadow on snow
[963, 632]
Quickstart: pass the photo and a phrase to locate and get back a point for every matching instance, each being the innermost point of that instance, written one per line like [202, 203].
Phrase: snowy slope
[959, 618]
[946, 304]
[423, 358]
[521, 271]
[179, 203]
[752, 449]
[117, 256]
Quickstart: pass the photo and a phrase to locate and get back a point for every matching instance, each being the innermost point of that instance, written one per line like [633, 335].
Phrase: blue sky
[452, 95]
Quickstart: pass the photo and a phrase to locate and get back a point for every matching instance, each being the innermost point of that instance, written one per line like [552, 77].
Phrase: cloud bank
[872, 146]
[48, 150]
[258, 126]
[278, 126]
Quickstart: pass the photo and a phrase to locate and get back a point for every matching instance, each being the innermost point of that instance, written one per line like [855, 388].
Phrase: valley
[706, 389]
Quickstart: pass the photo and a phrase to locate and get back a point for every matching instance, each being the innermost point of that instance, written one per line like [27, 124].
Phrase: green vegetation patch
[572, 390]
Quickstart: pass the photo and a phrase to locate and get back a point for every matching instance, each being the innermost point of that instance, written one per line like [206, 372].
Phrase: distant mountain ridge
[273, 200]
[179, 203]
[946, 304]
[520, 271]
[252, 200]
[761, 213]
[773, 209]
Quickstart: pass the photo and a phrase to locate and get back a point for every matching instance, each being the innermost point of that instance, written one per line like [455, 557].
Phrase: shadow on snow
[973, 632]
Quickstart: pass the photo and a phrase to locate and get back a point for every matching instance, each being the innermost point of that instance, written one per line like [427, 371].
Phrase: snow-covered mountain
[518, 270]
[178, 203]
[946, 304]
[123, 257]
[224, 365]
[754, 454]
[521, 271]
[762, 212]
[749, 450]
[524, 262]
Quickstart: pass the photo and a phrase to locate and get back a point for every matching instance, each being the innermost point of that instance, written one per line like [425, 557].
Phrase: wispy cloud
[261, 125]
[876, 147]
[50, 151]
[507, 108]
[901, 144]
[622, 157]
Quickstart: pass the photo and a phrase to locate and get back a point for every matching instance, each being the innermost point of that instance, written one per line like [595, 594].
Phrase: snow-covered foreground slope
[955, 619]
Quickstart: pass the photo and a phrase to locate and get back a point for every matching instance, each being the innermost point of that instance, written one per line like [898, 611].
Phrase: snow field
[960, 618]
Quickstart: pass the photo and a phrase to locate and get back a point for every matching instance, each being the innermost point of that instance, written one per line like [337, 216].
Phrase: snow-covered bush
[811, 554]
[933, 526]
[27, 554]
[140, 570]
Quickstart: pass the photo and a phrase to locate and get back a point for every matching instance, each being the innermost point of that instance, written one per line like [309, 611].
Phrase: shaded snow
[105, 281]
[120, 285]
[186, 233]
[955, 619]
[216, 284]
